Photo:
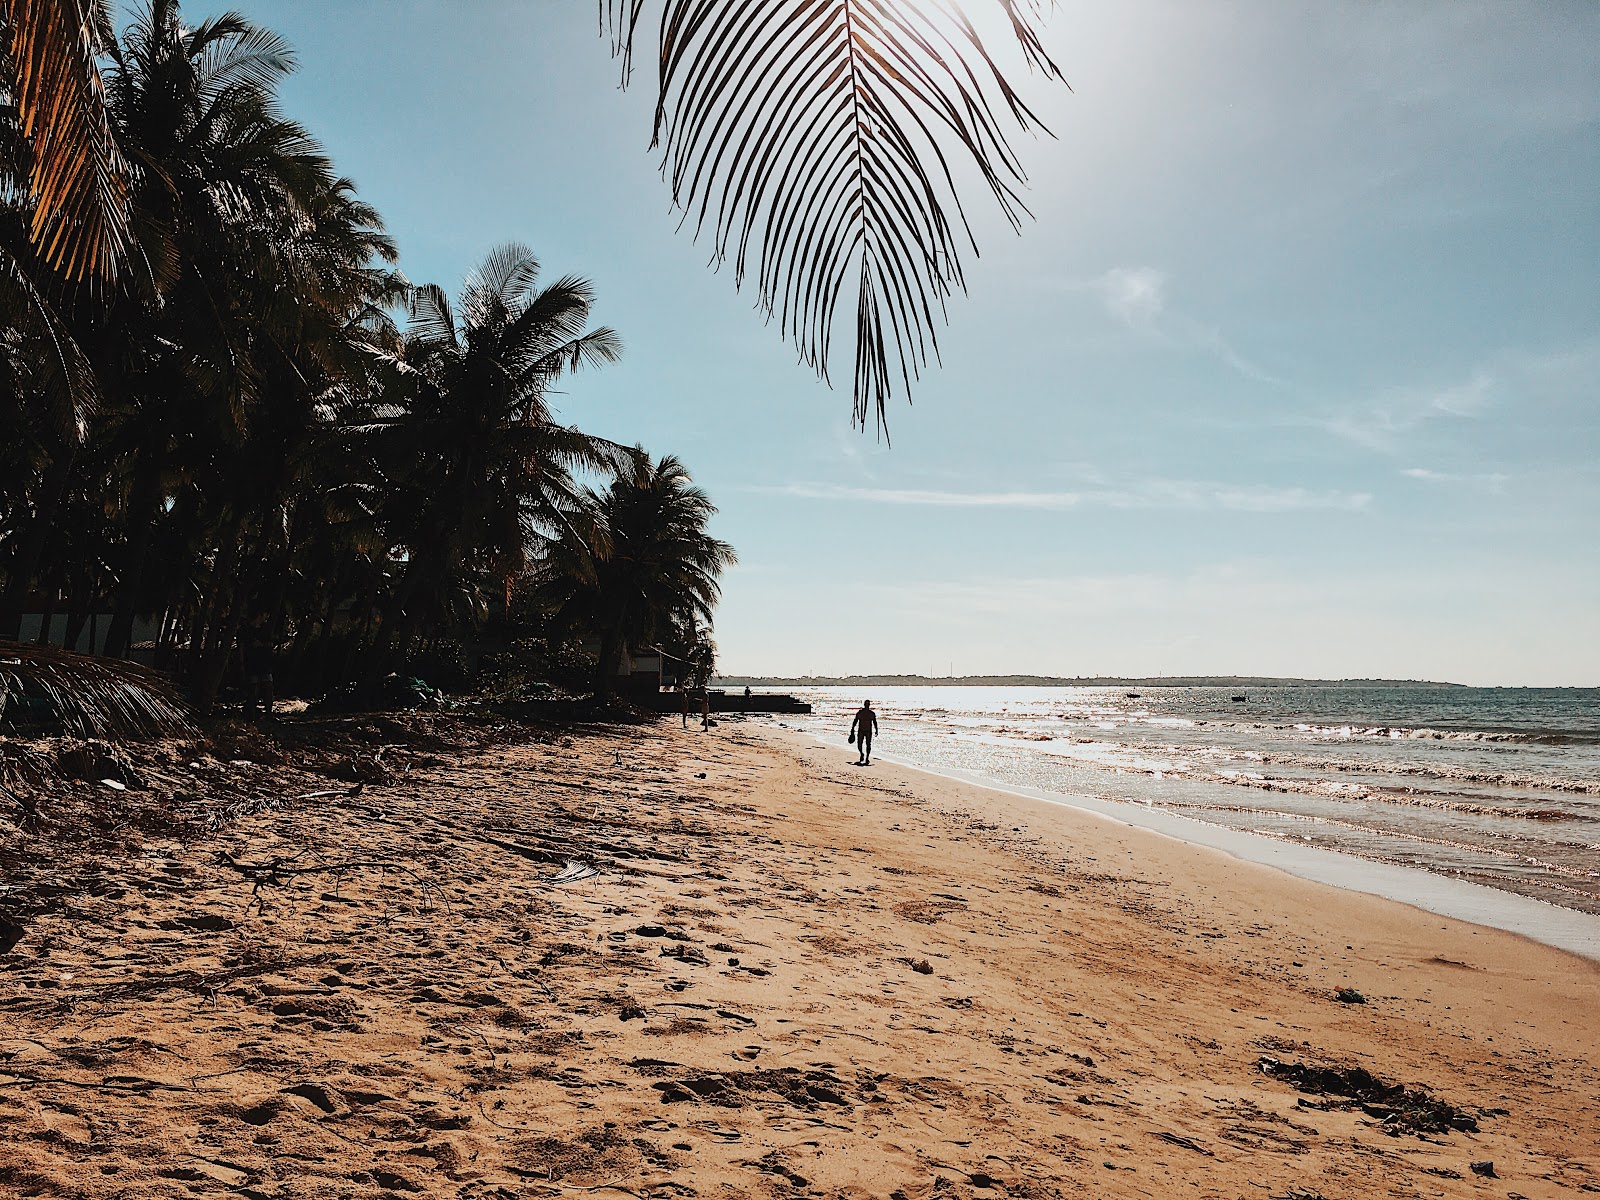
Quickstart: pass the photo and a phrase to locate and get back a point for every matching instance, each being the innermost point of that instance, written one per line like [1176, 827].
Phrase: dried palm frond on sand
[90, 697]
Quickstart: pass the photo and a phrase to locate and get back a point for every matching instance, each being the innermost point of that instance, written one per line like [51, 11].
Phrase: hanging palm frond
[813, 140]
[91, 697]
[77, 175]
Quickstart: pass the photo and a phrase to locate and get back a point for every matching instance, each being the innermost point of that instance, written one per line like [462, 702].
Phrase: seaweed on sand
[1401, 1109]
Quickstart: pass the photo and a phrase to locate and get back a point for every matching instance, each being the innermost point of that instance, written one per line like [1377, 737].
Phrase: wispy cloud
[1489, 481]
[1382, 422]
[1134, 295]
[1137, 297]
[1151, 494]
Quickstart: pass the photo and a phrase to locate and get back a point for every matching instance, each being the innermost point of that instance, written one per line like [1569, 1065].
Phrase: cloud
[1137, 297]
[1466, 399]
[1382, 422]
[1488, 481]
[1134, 295]
[1150, 494]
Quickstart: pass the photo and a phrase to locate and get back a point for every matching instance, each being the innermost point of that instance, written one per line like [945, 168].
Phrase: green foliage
[239, 442]
[640, 569]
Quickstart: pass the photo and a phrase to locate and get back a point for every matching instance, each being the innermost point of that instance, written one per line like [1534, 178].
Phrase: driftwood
[277, 872]
[582, 847]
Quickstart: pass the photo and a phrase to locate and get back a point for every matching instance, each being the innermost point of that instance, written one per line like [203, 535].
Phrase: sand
[788, 976]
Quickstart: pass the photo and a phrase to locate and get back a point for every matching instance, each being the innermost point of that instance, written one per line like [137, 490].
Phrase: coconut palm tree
[481, 466]
[656, 570]
[231, 192]
[816, 142]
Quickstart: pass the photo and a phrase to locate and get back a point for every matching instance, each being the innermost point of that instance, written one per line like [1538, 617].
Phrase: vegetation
[818, 146]
[826, 138]
[654, 583]
[223, 408]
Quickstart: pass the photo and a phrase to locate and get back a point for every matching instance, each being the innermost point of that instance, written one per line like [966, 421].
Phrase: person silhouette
[861, 731]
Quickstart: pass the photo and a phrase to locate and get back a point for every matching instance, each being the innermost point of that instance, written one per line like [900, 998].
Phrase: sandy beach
[656, 962]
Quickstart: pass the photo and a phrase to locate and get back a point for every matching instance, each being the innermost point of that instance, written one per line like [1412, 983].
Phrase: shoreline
[1544, 922]
[772, 976]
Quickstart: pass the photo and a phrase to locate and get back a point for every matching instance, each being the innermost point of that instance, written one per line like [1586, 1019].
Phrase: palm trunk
[30, 548]
[142, 516]
[401, 616]
[612, 647]
[226, 614]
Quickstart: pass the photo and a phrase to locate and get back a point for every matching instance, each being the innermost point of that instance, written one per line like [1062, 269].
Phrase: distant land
[1218, 681]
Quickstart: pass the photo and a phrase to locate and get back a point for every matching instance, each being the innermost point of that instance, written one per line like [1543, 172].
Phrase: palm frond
[92, 697]
[432, 318]
[505, 276]
[63, 370]
[77, 174]
[593, 349]
[230, 52]
[818, 142]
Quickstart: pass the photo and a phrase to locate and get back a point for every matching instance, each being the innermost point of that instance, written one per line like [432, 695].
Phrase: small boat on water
[1238, 699]
[1131, 695]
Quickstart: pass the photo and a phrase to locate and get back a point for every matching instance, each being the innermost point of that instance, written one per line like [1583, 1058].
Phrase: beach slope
[657, 962]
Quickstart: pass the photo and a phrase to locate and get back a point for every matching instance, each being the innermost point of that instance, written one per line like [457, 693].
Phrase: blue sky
[1295, 372]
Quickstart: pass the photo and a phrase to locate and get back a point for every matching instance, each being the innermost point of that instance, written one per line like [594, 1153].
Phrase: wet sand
[788, 976]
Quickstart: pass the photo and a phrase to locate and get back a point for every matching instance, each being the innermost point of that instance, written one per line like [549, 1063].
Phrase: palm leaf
[77, 175]
[92, 697]
[812, 141]
[64, 373]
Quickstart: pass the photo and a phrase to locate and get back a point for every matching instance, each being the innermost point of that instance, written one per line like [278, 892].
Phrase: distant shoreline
[1226, 681]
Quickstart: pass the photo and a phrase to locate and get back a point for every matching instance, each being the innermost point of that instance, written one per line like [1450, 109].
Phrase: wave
[1192, 761]
[1547, 737]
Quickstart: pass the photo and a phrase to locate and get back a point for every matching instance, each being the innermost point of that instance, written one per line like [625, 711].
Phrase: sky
[1293, 373]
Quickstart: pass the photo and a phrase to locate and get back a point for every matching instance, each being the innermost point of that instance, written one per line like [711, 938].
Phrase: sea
[1496, 787]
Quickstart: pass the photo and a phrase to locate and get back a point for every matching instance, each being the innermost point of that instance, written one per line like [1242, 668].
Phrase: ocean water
[1495, 786]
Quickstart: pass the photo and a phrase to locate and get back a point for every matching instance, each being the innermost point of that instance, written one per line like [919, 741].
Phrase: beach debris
[277, 872]
[1186, 1143]
[1400, 1109]
[692, 956]
[1348, 995]
[573, 872]
[1484, 1168]
[805, 1090]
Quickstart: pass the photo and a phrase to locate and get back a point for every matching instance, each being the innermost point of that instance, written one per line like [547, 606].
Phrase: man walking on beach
[861, 731]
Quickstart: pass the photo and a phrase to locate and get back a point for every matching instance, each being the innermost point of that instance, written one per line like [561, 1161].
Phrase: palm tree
[656, 576]
[812, 139]
[481, 465]
[237, 199]
[223, 365]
